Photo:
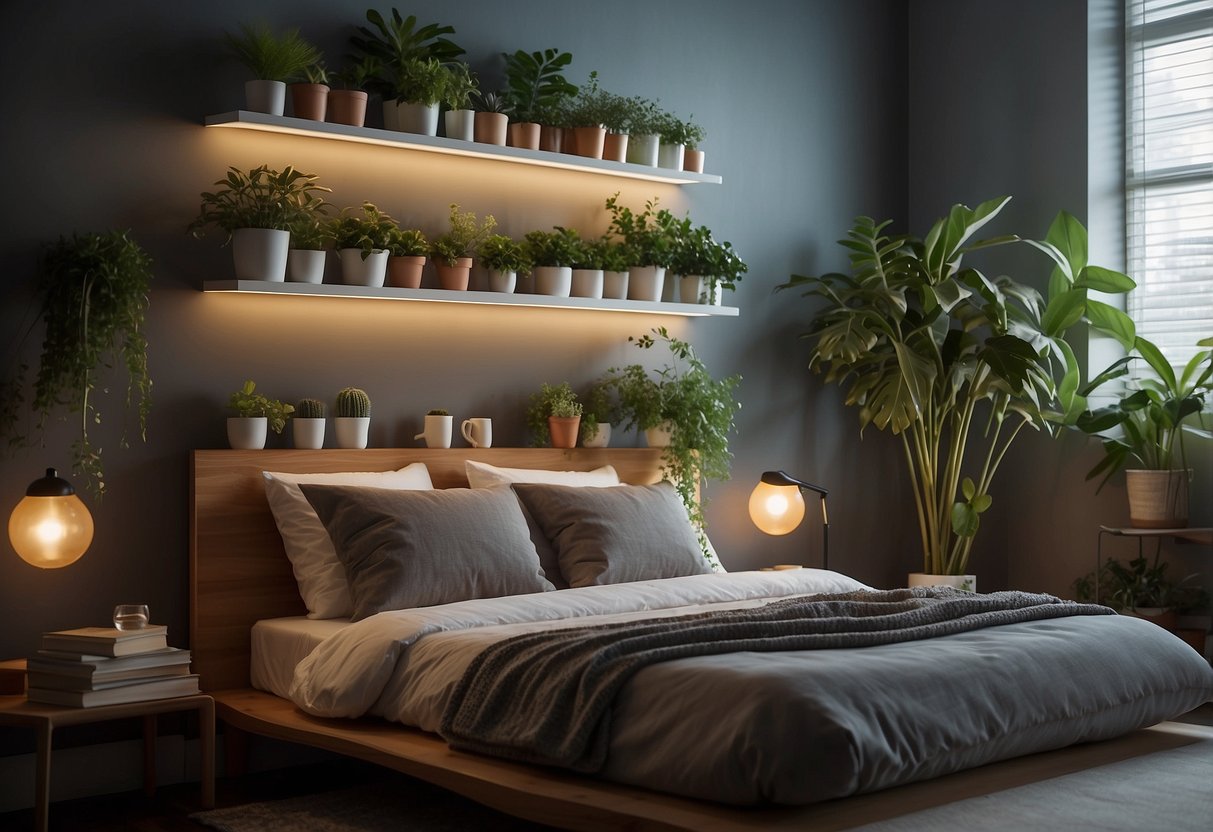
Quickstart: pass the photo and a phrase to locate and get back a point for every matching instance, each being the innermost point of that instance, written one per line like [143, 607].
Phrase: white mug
[437, 433]
[478, 432]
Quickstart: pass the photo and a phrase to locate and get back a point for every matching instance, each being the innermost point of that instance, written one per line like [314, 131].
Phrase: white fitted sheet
[279, 644]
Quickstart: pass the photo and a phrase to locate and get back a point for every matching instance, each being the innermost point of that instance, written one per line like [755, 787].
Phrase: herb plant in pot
[273, 60]
[644, 141]
[650, 237]
[1152, 415]
[454, 249]
[307, 424]
[616, 260]
[534, 85]
[504, 258]
[552, 254]
[675, 135]
[310, 97]
[407, 249]
[600, 411]
[692, 156]
[585, 115]
[417, 86]
[587, 269]
[362, 241]
[255, 210]
[554, 416]
[704, 265]
[306, 257]
[460, 118]
[352, 419]
[246, 431]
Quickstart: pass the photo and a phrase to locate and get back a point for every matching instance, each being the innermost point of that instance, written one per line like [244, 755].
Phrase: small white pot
[601, 439]
[247, 433]
[460, 124]
[690, 287]
[417, 118]
[260, 253]
[265, 97]
[587, 283]
[554, 280]
[358, 272]
[352, 431]
[308, 433]
[615, 285]
[646, 282]
[966, 582]
[643, 150]
[305, 266]
[500, 281]
[670, 156]
[659, 437]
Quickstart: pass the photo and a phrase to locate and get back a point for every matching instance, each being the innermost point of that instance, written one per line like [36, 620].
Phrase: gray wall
[805, 110]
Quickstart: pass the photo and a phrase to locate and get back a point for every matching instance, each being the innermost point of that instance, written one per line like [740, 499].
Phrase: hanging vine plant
[92, 290]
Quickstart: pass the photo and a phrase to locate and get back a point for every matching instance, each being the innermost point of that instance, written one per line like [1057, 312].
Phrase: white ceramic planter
[643, 150]
[305, 265]
[587, 283]
[670, 156]
[500, 281]
[308, 433]
[460, 124]
[265, 97]
[260, 253]
[556, 281]
[690, 287]
[352, 431]
[358, 272]
[659, 437]
[615, 285]
[417, 118]
[438, 430]
[601, 439]
[646, 282]
[247, 433]
[965, 582]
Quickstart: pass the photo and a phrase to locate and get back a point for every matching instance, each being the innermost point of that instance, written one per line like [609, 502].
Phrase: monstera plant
[953, 362]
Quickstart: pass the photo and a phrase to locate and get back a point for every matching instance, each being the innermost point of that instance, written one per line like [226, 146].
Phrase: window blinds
[1169, 113]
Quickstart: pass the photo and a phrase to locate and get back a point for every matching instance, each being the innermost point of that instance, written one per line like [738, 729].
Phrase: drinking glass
[130, 616]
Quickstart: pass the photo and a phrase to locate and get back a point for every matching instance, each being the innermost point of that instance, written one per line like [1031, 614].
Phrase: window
[1169, 184]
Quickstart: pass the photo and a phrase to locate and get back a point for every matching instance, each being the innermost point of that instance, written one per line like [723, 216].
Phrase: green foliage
[353, 402]
[503, 254]
[356, 75]
[492, 102]
[920, 341]
[559, 401]
[558, 247]
[591, 254]
[309, 233]
[270, 57]
[371, 231]
[461, 85]
[248, 403]
[92, 294]
[309, 409]
[407, 242]
[1140, 584]
[696, 252]
[316, 73]
[616, 255]
[438, 411]
[601, 405]
[261, 198]
[650, 235]
[644, 117]
[396, 41]
[534, 82]
[465, 235]
[700, 409]
[417, 81]
[674, 130]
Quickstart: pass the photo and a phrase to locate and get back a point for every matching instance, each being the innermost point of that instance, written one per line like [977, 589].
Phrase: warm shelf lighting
[50, 527]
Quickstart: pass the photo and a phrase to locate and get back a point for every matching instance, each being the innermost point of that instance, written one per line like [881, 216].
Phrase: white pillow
[319, 572]
[483, 475]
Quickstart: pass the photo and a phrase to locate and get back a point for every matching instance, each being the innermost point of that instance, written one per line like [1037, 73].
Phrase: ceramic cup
[437, 433]
[478, 432]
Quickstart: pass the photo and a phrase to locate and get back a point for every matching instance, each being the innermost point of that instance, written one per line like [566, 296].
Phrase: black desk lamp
[777, 507]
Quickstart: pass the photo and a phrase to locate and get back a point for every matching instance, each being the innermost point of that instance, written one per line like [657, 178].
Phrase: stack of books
[103, 666]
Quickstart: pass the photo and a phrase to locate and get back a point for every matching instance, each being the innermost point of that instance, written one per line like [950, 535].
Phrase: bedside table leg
[42, 789]
[206, 747]
[150, 729]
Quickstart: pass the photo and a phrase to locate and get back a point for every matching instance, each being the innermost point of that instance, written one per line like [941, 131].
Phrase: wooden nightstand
[17, 711]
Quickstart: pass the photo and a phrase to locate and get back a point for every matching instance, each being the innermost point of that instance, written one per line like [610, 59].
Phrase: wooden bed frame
[239, 574]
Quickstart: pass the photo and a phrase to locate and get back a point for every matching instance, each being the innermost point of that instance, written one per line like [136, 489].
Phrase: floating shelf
[333, 290]
[245, 120]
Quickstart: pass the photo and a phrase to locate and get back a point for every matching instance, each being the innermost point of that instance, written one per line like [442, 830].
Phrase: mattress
[279, 644]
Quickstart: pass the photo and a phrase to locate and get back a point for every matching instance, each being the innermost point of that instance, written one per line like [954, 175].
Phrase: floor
[168, 811]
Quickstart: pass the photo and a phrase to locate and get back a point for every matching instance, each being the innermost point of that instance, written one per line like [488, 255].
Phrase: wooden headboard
[239, 572]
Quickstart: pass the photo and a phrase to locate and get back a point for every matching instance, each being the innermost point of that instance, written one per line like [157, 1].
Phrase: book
[63, 681]
[107, 641]
[102, 667]
[165, 688]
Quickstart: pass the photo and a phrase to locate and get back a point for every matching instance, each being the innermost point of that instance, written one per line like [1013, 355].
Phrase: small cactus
[437, 412]
[353, 402]
[309, 409]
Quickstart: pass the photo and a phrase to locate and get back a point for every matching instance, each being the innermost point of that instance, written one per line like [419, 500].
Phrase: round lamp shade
[776, 509]
[50, 527]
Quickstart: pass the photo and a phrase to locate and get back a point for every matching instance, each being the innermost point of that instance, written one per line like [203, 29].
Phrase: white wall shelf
[243, 119]
[331, 290]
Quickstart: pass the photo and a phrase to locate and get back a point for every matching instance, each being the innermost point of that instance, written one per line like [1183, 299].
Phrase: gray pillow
[616, 534]
[404, 549]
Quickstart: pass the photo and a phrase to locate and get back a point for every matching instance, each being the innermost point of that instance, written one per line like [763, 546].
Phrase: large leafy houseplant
[261, 198]
[534, 83]
[394, 42]
[650, 235]
[929, 348]
[92, 290]
[271, 57]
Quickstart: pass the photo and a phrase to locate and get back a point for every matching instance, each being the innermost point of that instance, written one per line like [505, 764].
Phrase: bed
[240, 575]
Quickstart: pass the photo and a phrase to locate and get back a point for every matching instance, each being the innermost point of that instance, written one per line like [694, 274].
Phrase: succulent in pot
[310, 93]
[554, 416]
[273, 60]
[492, 118]
[307, 426]
[352, 418]
[255, 412]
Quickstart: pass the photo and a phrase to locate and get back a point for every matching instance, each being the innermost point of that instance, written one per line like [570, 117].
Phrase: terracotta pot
[564, 430]
[491, 128]
[405, 272]
[692, 160]
[524, 134]
[456, 277]
[309, 101]
[590, 141]
[615, 147]
[551, 139]
[347, 107]
[1157, 499]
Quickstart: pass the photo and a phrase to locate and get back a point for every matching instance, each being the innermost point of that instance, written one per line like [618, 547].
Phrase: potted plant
[362, 241]
[306, 256]
[352, 420]
[587, 269]
[307, 424]
[930, 349]
[1152, 415]
[460, 117]
[407, 249]
[273, 61]
[692, 156]
[454, 249]
[600, 411]
[675, 134]
[616, 260]
[492, 119]
[586, 113]
[644, 142]
[554, 416]
[552, 254]
[415, 89]
[309, 97]
[700, 260]
[92, 293]
[255, 210]
[684, 401]
[650, 237]
[246, 431]
[347, 101]
[438, 428]
[535, 87]
[504, 258]
[1144, 589]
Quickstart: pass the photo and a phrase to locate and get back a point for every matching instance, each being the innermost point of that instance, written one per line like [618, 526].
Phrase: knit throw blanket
[546, 697]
